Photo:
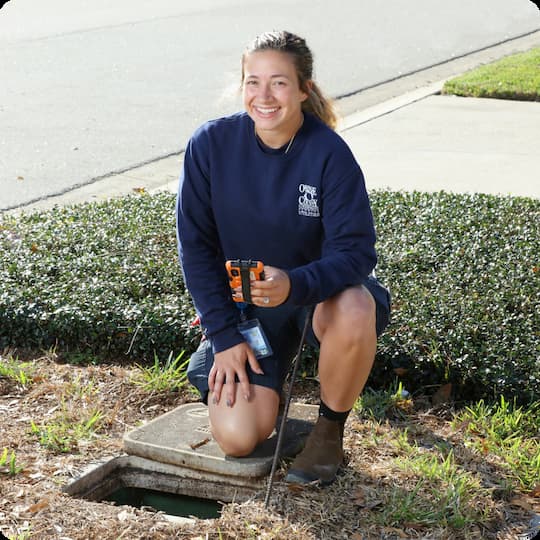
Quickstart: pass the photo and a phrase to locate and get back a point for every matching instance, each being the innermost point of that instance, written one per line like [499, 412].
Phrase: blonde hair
[316, 103]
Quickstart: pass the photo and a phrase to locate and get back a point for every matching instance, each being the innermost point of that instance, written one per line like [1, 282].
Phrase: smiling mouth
[265, 111]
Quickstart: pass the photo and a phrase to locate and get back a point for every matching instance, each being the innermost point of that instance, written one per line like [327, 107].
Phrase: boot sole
[298, 477]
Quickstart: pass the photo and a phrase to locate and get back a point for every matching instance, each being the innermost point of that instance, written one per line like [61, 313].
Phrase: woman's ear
[306, 90]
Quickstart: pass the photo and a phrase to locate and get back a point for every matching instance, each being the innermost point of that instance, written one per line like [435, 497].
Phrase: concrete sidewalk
[452, 143]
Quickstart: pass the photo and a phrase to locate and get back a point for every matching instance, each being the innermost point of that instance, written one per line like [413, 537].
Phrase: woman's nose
[265, 90]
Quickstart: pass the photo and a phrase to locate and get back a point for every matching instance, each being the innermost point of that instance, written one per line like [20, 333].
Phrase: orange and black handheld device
[241, 273]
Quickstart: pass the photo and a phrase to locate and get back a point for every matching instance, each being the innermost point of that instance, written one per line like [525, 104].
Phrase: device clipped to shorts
[241, 273]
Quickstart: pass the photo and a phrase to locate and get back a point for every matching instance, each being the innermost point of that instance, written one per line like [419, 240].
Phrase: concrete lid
[182, 437]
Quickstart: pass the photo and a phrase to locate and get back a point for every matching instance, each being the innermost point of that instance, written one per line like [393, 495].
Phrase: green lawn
[514, 77]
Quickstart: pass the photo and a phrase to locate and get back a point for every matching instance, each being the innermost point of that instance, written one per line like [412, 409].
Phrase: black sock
[340, 417]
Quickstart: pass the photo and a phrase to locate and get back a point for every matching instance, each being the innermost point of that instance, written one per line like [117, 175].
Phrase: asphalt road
[93, 87]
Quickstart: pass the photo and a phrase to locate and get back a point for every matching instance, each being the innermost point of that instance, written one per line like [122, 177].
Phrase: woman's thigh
[280, 327]
[354, 301]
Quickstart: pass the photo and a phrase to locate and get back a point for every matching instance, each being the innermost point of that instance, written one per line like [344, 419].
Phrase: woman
[275, 183]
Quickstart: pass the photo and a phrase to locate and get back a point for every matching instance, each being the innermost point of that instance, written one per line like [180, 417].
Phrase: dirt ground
[33, 505]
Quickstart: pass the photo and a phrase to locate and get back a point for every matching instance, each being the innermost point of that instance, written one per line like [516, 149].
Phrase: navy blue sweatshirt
[305, 211]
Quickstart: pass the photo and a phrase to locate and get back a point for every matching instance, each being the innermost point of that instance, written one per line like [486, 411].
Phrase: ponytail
[320, 106]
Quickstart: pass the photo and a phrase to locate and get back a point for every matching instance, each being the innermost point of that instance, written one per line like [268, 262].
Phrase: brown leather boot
[321, 457]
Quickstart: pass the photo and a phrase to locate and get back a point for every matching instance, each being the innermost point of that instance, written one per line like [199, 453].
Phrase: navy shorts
[283, 326]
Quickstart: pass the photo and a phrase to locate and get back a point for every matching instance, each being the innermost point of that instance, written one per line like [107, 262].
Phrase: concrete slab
[101, 479]
[182, 437]
[457, 144]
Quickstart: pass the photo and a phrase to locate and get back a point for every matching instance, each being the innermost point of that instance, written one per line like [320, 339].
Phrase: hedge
[96, 278]
[465, 276]
[464, 270]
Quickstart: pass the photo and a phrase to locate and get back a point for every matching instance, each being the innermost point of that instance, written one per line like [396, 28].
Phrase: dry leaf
[521, 502]
[124, 515]
[296, 488]
[357, 536]
[535, 491]
[442, 395]
[139, 190]
[194, 446]
[359, 498]
[373, 504]
[399, 532]
[414, 526]
[38, 506]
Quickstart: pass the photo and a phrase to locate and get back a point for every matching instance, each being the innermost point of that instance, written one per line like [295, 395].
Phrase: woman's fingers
[274, 290]
[230, 365]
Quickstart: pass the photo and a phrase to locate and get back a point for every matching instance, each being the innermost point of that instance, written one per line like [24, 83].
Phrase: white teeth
[266, 111]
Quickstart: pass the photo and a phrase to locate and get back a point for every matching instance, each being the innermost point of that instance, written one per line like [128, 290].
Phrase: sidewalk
[454, 144]
[418, 141]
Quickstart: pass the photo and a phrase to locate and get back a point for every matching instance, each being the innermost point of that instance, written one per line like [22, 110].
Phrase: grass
[514, 77]
[440, 485]
[19, 372]
[11, 462]
[380, 404]
[160, 377]
[63, 433]
[510, 433]
[22, 536]
[76, 418]
[409, 469]
[444, 493]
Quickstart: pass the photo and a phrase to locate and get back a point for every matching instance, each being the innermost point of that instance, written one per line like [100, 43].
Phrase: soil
[33, 504]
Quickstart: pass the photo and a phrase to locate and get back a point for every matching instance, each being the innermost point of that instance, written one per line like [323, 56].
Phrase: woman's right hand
[228, 365]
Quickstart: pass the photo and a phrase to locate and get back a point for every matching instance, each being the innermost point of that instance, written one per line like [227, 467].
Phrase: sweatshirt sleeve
[200, 253]
[348, 250]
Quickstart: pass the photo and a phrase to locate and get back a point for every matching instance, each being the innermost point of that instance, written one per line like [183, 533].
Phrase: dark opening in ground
[172, 504]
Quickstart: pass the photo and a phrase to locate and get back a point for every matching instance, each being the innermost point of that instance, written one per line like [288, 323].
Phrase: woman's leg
[345, 326]
[240, 428]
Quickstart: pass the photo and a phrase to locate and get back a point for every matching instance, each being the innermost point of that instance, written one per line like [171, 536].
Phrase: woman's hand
[273, 291]
[228, 365]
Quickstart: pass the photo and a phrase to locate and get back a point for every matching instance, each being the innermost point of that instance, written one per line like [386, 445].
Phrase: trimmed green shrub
[98, 278]
[464, 273]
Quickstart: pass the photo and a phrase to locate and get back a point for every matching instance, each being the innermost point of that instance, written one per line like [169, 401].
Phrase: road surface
[93, 87]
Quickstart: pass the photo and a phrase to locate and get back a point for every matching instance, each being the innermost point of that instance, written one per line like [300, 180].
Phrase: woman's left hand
[273, 291]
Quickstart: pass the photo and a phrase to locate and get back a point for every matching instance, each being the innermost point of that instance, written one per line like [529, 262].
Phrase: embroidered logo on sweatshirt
[308, 204]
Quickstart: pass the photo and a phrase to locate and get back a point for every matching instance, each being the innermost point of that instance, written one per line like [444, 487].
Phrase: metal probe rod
[286, 411]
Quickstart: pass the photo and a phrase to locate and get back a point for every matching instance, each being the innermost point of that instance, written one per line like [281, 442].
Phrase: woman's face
[272, 95]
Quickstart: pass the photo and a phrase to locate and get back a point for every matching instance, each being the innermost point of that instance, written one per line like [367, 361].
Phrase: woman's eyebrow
[275, 76]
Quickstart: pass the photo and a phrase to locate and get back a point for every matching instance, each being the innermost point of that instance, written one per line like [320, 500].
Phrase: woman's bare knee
[239, 429]
[237, 443]
[351, 313]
